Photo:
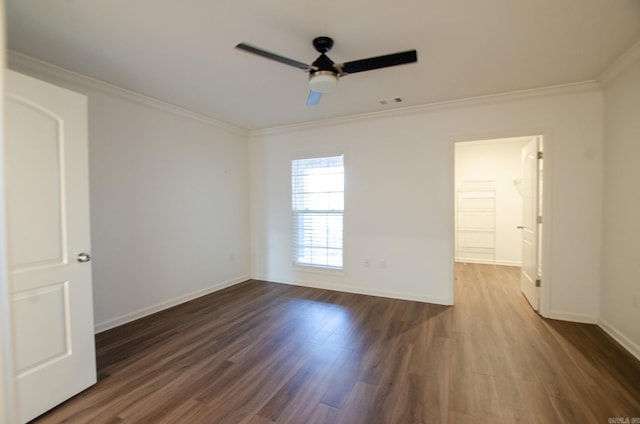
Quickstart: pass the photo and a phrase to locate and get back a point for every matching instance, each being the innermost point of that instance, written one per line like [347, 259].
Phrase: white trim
[495, 141]
[8, 405]
[27, 64]
[555, 90]
[547, 193]
[22, 62]
[566, 316]
[8, 410]
[619, 337]
[364, 291]
[115, 322]
[486, 262]
[319, 269]
[620, 64]
[546, 144]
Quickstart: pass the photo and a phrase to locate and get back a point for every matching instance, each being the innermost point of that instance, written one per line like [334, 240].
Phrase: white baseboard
[489, 262]
[364, 291]
[115, 322]
[564, 316]
[624, 341]
[507, 263]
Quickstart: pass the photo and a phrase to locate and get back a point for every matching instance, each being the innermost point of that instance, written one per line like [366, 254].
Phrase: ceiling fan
[324, 73]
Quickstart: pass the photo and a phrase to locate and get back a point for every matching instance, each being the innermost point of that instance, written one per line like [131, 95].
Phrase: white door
[48, 235]
[530, 227]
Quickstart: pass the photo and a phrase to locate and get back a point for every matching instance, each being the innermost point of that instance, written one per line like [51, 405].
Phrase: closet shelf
[476, 221]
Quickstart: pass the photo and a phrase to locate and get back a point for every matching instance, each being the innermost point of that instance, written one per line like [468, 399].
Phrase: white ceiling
[181, 52]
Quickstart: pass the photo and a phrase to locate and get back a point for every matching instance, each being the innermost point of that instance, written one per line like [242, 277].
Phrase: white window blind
[318, 211]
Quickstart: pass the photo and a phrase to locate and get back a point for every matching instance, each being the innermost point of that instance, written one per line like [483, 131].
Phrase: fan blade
[378, 62]
[314, 98]
[255, 50]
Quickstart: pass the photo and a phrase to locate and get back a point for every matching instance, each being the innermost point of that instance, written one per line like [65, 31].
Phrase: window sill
[318, 270]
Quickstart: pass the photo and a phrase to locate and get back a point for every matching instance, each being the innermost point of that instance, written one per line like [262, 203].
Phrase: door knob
[520, 227]
[84, 257]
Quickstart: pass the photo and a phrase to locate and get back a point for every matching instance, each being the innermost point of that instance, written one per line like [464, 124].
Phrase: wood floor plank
[423, 400]
[510, 403]
[298, 398]
[389, 388]
[323, 414]
[358, 405]
[537, 402]
[458, 418]
[265, 353]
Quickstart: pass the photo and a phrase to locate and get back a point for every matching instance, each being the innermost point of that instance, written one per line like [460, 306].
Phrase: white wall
[169, 200]
[621, 231]
[399, 195]
[499, 161]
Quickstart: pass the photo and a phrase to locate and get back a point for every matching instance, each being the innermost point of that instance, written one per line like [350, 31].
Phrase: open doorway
[498, 204]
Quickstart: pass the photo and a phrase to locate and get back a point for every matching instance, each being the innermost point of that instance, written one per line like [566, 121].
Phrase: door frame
[546, 236]
[7, 389]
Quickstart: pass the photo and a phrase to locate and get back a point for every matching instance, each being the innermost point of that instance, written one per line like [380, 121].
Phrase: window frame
[294, 214]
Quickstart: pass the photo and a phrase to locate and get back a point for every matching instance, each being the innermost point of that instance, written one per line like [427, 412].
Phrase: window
[318, 210]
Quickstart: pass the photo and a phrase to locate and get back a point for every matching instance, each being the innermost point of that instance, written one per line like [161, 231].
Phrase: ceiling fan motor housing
[322, 63]
[322, 44]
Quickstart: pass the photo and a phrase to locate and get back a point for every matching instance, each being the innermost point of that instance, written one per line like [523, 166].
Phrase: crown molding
[620, 64]
[551, 91]
[23, 63]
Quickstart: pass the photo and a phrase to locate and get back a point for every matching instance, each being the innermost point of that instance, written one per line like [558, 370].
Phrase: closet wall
[488, 202]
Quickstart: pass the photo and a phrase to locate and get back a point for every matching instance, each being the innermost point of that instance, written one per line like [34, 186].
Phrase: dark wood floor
[268, 353]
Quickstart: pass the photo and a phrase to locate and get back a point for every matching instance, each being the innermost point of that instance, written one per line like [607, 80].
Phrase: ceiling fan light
[323, 81]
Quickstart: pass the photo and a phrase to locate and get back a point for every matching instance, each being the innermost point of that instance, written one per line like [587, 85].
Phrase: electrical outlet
[366, 263]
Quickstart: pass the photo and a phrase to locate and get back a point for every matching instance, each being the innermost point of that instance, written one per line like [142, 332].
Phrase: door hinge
[537, 282]
[539, 155]
[539, 220]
